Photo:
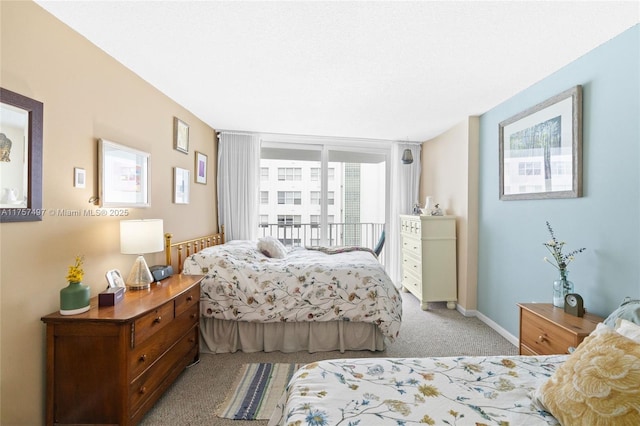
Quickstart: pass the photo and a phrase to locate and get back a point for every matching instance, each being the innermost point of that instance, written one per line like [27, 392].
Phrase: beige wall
[86, 95]
[450, 176]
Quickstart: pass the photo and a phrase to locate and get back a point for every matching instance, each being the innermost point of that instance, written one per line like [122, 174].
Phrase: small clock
[574, 305]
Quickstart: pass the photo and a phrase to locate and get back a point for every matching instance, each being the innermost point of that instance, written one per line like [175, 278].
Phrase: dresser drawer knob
[189, 299]
[143, 390]
[143, 358]
[194, 316]
[158, 319]
[542, 338]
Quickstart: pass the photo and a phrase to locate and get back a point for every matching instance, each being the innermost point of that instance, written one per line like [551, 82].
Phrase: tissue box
[111, 296]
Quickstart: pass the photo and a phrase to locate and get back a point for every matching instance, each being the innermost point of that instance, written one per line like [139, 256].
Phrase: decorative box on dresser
[548, 330]
[109, 365]
[429, 266]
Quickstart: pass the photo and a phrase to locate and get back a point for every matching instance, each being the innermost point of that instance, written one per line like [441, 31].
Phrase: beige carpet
[193, 398]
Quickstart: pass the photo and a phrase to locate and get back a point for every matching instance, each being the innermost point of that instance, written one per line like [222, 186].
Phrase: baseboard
[501, 331]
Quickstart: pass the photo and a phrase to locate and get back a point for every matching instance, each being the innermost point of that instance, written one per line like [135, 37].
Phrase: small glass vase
[75, 298]
[561, 287]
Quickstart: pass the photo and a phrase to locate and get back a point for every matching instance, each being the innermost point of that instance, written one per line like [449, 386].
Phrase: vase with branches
[560, 261]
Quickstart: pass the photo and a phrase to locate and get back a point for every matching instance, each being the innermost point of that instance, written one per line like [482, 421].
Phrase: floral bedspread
[243, 284]
[435, 391]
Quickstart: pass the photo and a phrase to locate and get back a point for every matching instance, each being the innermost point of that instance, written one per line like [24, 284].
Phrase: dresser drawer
[187, 300]
[413, 284]
[154, 321]
[147, 353]
[412, 245]
[149, 382]
[544, 337]
[411, 265]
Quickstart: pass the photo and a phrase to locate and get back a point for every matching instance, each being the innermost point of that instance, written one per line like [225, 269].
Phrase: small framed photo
[180, 135]
[201, 168]
[181, 182]
[79, 177]
[115, 280]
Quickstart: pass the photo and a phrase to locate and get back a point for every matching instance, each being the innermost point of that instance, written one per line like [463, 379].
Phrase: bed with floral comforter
[243, 285]
[491, 390]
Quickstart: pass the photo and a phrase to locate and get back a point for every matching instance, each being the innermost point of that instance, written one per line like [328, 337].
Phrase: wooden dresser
[109, 365]
[429, 266]
[547, 330]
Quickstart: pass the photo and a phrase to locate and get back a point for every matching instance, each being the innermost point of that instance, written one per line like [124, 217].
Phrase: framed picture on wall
[181, 185]
[79, 177]
[123, 175]
[180, 135]
[201, 168]
[541, 150]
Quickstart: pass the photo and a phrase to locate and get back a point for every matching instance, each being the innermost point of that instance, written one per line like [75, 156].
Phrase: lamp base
[140, 277]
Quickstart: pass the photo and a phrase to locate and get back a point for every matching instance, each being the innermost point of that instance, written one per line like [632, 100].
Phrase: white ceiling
[382, 70]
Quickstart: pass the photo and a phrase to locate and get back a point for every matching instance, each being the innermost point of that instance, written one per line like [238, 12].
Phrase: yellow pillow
[599, 384]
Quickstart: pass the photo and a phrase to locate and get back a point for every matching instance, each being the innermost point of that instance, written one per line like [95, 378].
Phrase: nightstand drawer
[547, 330]
[544, 337]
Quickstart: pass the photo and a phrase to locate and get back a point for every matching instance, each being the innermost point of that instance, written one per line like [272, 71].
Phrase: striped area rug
[256, 391]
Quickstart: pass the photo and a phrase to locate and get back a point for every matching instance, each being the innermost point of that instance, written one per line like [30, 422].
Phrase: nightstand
[109, 365]
[547, 330]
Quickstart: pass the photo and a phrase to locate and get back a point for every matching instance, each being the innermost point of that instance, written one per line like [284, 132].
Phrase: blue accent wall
[605, 220]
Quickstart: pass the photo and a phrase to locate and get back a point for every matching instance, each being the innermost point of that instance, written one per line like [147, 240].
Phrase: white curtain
[405, 184]
[239, 185]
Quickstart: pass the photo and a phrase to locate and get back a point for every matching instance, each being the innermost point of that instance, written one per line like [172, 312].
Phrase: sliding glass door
[317, 194]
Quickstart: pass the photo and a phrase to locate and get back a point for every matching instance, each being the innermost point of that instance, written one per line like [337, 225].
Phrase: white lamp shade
[141, 236]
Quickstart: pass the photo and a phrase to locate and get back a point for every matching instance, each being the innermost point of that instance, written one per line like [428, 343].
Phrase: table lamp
[140, 237]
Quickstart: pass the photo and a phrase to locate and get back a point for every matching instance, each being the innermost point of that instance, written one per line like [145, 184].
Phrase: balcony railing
[338, 234]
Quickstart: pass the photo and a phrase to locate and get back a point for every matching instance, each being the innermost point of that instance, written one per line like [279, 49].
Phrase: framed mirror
[20, 158]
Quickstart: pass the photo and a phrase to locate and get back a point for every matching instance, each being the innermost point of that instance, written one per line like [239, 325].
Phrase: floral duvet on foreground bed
[435, 391]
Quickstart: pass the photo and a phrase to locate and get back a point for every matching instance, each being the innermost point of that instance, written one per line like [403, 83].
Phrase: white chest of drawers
[429, 258]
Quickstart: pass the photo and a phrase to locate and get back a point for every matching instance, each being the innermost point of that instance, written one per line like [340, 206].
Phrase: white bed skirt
[222, 336]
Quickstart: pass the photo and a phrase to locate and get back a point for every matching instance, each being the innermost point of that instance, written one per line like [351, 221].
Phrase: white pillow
[628, 329]
[272, 247]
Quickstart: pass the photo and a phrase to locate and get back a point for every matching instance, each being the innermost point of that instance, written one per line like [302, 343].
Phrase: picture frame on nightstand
[115, 280]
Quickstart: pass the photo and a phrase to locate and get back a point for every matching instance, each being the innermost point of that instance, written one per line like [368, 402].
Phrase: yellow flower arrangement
[76, 273]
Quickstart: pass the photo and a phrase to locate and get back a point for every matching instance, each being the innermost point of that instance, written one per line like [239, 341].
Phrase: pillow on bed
[628, 329]
[272, 247]
[629, 309]
[597, 384]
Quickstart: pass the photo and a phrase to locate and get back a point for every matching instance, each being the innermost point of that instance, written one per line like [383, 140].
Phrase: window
[264, 197]
[264, 220]
[289, 173]
[289, 197]
[324, 195]
[264, 173]
[315, 174]
[315, 197]
[289, 220]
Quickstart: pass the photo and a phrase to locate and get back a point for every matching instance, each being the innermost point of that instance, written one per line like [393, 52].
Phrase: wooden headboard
[183, 249]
